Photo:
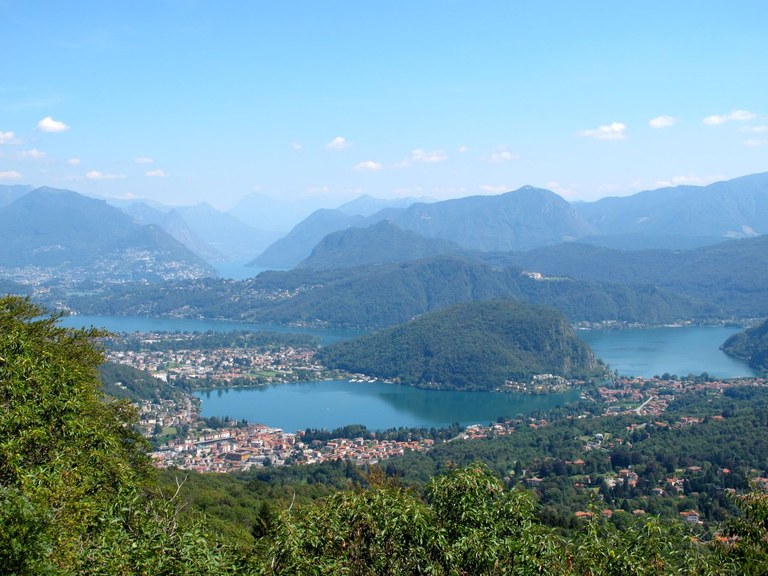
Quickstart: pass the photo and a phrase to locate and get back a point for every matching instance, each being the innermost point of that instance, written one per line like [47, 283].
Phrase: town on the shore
[233, 446]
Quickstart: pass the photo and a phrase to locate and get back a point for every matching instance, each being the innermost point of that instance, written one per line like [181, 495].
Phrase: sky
[184, 101]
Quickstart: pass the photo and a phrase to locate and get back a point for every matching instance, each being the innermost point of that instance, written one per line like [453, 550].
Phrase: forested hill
[750, 345]
[729, 275]
[385, 295]
[471, 346]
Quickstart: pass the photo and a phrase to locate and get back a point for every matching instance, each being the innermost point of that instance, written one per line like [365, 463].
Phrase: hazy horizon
[181, 102]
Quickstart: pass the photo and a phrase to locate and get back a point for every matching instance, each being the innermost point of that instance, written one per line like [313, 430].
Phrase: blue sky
[183, 101]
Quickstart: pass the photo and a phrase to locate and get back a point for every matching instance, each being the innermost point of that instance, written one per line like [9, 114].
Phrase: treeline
[379, 296]
[127, 383]
[209, 340]
[401, 434]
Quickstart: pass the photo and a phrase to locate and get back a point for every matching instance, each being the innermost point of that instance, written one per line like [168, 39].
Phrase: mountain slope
[226, 233]
[471, 346]
[750, 345]
[729, 275]
[299, 242]
[65, 230]
[380, 243]
[518, 220]
[736, 208]
[174, 223]
[9, 193]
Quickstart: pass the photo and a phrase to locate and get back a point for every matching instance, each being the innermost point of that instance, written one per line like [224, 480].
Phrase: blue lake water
[330, 404]
[654, 351]
[334, 403]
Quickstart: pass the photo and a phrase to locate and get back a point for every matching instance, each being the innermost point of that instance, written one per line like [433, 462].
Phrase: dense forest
[470, 346]
[385, 295]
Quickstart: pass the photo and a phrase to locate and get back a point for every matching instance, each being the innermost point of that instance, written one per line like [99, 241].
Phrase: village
[184, 440]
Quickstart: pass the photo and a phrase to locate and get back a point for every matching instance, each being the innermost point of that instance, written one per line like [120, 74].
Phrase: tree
[77, 491]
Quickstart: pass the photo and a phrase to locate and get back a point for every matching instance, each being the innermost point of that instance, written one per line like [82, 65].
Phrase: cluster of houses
[239, 448]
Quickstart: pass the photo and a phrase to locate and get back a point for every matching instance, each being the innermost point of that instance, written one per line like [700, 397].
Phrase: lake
[676, 350]
[631, 351]
[334, 403]
[330, 404]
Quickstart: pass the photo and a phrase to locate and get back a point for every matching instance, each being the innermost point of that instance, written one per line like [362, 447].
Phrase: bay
[334, 403]
[675, 350]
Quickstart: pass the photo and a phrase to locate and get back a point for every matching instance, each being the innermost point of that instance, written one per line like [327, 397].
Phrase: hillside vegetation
[750, 345]
[471, 346]
[77, 496]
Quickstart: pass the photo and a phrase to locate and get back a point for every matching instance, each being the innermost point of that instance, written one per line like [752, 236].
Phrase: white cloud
[558, 188]
[6, 137]
[74, 161]
[754, 129]
[144, 160]
[296, 145]
[755, 143]
[613, 131]
[495, 189]
[10, 175]
[738, 115]
[34, 153]
[503, 155]
[158, 173]
[367, 166]
[338, 143]
[48, 124]
[687, 181]
[425, 157]
[463, 149]
[664, 121]
[96, 175]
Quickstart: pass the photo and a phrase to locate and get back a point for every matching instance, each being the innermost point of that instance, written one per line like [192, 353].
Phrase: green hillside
[750, 345]
[471, 346]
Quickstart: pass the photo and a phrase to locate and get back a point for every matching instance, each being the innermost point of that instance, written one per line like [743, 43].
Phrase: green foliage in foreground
[77, 492]
[77, 497]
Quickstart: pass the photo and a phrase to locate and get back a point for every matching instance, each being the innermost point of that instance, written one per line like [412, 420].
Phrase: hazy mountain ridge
[380, 243]
[64, 231]
[736, 208]
[12, 192]
[470, 346]
[213, 235]
[672, 218]
[288, 251]
[175, 224]
[522, 219]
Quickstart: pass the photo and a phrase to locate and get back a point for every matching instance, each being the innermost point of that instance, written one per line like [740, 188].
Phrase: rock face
[471, 346]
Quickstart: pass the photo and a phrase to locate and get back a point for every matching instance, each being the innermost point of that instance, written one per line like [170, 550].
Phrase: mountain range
[64, 233]
[683, 217]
